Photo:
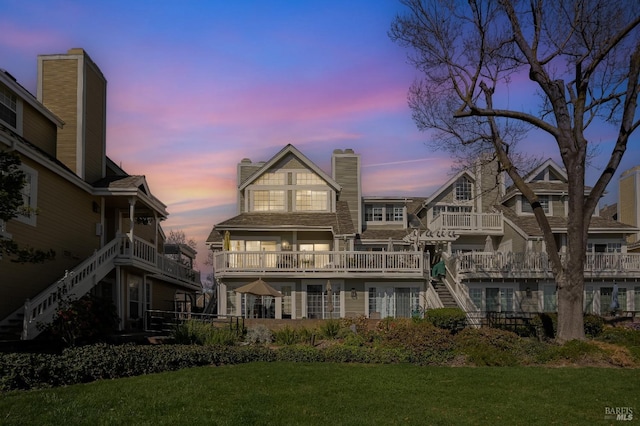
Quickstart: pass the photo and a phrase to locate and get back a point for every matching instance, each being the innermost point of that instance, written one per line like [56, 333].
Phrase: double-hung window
[307, 200]
[8, 107]
[29, 196]
[268, 200]
[544, 203]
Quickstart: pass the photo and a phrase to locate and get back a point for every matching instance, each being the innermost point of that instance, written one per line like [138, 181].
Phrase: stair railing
[74, 283]
[457, 290]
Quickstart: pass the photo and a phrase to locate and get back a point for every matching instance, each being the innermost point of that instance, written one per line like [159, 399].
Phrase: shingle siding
[38, 130]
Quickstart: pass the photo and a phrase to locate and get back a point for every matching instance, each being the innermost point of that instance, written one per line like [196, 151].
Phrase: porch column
[132, 212]
[278, 302]
[119, 298]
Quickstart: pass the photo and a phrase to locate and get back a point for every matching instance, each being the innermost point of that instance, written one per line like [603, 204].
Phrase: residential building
[333, 252]
[102, 223]
[629, 204]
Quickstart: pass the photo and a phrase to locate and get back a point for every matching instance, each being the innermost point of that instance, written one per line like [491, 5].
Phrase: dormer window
[544, 202]
[8, 107]
[463, 189]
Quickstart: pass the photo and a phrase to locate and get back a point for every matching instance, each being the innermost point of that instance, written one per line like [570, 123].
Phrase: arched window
[464, 189]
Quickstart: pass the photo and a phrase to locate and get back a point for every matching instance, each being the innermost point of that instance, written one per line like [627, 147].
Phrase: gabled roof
[448, 184]
[129, 185]
[544, 187]
[339, 222]
[529, 225]
[550, 164]
[290, 150]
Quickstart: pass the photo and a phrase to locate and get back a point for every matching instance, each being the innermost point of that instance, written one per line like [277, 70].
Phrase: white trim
[290, 149]
[33, 197]
[80, 122]
[394, 285]
[449, 183]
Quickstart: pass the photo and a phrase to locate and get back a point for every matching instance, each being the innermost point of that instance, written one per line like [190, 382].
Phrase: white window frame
[7, 98]
[308, 178]
[3, 230]
[338, 289]
[31, 217]
[272, 203]
[391, 291]
[308, 200]
[463, 189]
[545, 203]
[375, 213]
[272, 179]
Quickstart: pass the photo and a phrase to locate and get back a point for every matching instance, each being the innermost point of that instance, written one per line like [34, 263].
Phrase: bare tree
[584, 58]
[179, 237]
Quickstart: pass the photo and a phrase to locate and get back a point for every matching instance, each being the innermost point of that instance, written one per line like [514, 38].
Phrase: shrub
[285, 336]
[452, 319]
[489, 346]
[627, 337]
[330, 328]
[342, 353]
[202, 333]
[350, 338]
[361, 323]
[299, 353]
[424, 343]
[85, 320]
[593, 325]
[259, 334]
[88, 363]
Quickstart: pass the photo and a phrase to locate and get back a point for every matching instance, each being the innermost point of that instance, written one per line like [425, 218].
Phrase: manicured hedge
[94, 362]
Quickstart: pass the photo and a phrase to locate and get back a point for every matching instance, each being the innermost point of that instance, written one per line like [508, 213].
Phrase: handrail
[457, 289]
[41, 308]
[320, 261]
[163, 321]
[539, 262]
[468, 221]
[431, 297]
[78, 281]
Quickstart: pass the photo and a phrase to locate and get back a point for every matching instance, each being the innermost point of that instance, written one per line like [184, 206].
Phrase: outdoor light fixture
[354, 293]
[529, 293]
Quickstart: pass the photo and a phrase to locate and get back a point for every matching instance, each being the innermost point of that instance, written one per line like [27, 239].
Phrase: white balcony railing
[320, 261]
[595, 263]
[468, 222]
[144, 252]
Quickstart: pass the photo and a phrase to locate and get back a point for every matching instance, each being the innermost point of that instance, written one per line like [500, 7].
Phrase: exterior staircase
[23, 322]
[444, 294]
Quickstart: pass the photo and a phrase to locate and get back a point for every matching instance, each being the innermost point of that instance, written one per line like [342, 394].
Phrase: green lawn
[324, 393]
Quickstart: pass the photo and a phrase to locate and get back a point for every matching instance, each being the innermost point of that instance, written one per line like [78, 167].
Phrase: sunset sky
[195, 86]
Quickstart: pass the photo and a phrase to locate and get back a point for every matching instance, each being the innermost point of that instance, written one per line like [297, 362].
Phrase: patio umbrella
[329, 298]
[614, 298]
[259, 288]
[488, 244]
[226, 242]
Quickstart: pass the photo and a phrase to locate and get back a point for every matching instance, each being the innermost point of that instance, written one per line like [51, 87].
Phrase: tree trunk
[570, 315]
[570, 280]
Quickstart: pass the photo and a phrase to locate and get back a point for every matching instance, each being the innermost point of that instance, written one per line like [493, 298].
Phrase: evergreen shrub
[452, 319]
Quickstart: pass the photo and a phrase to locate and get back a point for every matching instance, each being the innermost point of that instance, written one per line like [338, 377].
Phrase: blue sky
[195, 86]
